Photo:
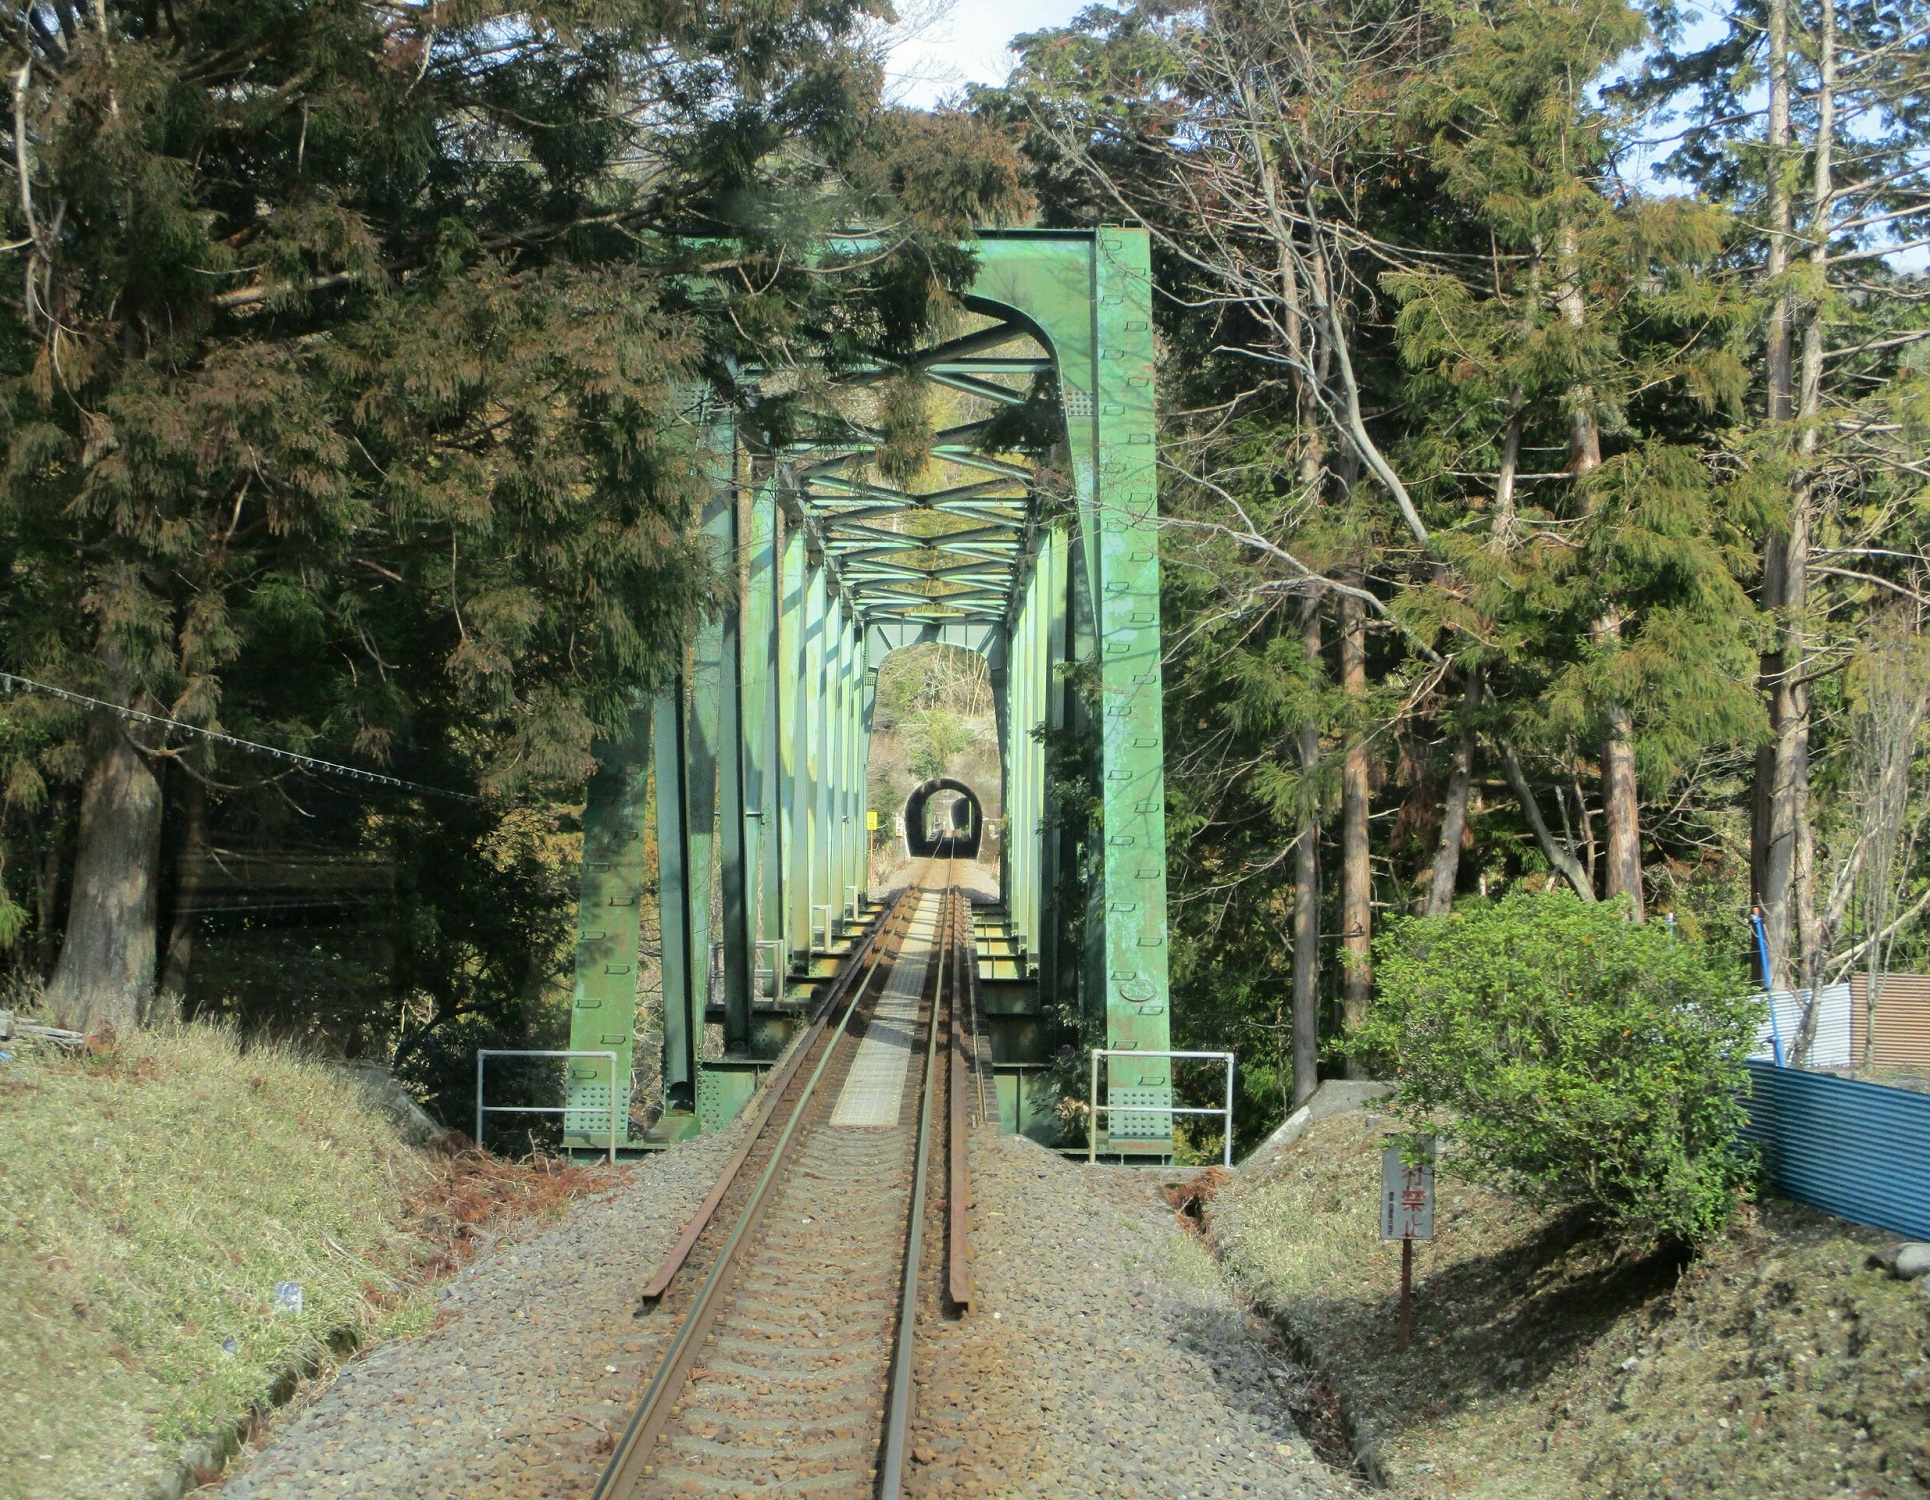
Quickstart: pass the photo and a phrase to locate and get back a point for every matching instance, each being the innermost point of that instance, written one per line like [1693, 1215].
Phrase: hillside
[158, 1193]
[933, 718]
[1547, 1362]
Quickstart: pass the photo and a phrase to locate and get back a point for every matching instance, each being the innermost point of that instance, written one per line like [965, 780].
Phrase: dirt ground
[1549, 1362]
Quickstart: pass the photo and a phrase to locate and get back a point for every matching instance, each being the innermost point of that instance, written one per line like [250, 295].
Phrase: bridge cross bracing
[748, 776]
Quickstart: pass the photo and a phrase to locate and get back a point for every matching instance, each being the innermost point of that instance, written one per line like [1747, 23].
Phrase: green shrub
[1568, 1054]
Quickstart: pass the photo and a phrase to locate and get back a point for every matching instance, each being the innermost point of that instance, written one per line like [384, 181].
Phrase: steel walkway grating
[875, 1087]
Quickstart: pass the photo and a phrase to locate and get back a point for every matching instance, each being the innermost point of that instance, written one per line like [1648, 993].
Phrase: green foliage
[934, 737]
[1571, 1055]
[346, 363]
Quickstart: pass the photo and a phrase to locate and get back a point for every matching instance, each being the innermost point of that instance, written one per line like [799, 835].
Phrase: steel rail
[982, 1068]
[958, 1268]
[898, 1411]
[628, 1463]
[888, 923]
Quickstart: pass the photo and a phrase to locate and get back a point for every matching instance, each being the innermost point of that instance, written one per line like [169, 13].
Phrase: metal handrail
[776, 970]
[542, 1109]
[1092, 1129]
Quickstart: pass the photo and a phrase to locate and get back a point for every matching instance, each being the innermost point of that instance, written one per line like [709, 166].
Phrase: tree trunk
[1503, 537]
[1621, 804]
[106, 968]
[1306, 904]
[1562, 859]
[1454, 814]
[1772, 856]
[55, 848]
[1787, 892]
[1783, 874]
[172, 992]
[1621, 810]
[1584, 433]
[1781, 403]
[1356, 868]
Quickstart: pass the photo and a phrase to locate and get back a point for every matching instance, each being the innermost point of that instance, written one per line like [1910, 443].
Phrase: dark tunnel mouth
[959, 846]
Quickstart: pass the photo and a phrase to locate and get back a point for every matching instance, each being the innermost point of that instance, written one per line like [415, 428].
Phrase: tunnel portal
[960, 826]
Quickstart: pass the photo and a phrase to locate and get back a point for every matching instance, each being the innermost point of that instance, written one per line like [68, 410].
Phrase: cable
[10, 681]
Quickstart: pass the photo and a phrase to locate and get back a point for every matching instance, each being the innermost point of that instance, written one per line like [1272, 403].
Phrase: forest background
[1543, 391]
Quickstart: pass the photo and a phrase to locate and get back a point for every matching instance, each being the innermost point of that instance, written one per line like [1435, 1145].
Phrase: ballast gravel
[1101, 1356]
[536, 1361]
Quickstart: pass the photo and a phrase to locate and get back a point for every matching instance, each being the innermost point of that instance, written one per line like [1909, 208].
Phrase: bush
[1572, 1056]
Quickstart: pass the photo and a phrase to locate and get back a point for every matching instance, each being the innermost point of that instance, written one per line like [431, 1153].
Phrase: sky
[939, 46]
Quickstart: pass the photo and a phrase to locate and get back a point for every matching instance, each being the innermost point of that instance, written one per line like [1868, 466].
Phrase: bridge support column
[793, 728]
[738, 935]
[683, 1016]
[1090, 297]
[1052, 913]
[1122, 515]
[838, 690]
[811, 718]
[762, 718]
[603, 1002]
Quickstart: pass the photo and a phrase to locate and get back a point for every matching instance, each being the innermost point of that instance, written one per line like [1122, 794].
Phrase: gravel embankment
[1102, 1356]
[536, 1359]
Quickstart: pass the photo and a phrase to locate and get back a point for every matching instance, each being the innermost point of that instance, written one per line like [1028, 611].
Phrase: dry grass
[1549, 1362]
[155, 1194]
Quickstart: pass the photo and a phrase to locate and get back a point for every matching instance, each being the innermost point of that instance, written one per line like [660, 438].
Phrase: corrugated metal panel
[1854, 1149]
[1902, 1021]
[1830, 1047]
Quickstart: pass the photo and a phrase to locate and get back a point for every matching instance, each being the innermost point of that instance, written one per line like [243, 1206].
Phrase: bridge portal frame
[757, 792]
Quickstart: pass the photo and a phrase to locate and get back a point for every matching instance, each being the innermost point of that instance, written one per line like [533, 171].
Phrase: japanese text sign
[1406, 1198]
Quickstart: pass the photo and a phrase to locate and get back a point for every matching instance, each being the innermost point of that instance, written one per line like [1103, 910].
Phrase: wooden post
[1407, 1288]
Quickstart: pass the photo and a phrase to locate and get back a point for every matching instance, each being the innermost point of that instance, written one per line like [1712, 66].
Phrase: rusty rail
[632, 1467]
[958, 1189]
[899, 1405]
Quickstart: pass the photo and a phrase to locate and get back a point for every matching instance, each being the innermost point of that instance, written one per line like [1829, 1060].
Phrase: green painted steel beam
[763, 715]
[793, 838]
[604, 998]
[841, 568]
[704, 747]
[814, 690]
[680, 998]
[1090, 295]
[737, 935]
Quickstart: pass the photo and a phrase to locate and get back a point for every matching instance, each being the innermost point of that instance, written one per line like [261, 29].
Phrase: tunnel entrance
[943, 820]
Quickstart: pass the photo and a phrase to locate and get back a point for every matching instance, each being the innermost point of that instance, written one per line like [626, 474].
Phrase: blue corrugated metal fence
[1858, 1150]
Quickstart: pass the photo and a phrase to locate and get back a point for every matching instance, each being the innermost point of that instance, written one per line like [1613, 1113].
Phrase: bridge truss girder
[757, 782]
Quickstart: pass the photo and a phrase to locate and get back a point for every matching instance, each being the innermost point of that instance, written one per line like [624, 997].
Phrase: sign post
[1407, 1215]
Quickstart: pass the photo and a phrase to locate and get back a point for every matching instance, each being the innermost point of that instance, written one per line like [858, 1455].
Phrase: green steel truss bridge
[740, 794]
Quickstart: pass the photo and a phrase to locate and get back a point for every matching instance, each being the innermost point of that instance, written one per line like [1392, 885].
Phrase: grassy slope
[153, 1198]
[1543, 1365]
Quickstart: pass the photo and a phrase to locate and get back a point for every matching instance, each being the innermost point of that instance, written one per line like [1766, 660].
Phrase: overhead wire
[10, 682]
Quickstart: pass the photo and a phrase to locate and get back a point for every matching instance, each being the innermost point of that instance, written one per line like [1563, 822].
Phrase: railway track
[799, 1286]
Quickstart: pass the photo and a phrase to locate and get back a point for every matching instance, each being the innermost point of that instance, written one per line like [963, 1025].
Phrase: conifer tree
[361, 340]
[1829, 176]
